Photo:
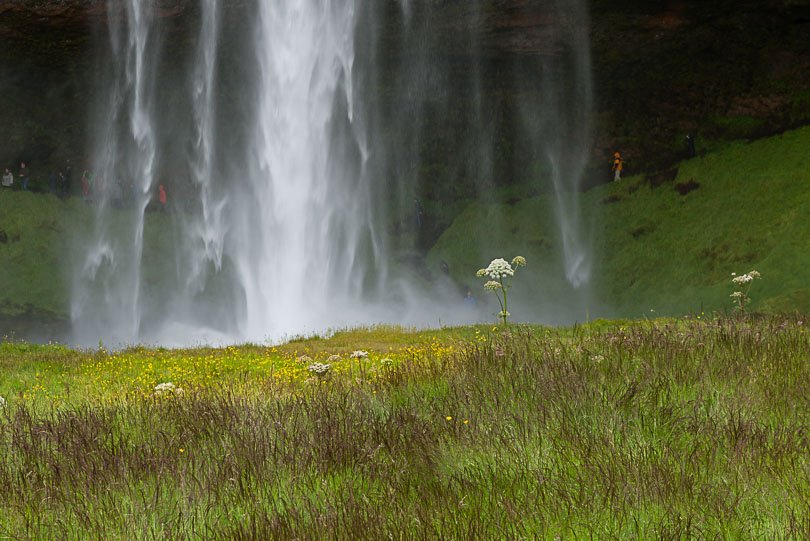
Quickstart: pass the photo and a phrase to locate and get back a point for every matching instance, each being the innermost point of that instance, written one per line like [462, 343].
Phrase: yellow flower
[449, 418]
[182, 450]
[466, 421]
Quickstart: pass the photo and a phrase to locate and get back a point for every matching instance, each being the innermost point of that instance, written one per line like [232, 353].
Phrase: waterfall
[302, 250]
[295, 141]
[108, 285]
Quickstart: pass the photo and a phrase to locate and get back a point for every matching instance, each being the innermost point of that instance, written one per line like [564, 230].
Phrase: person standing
[23, 176]
[8, 179]
[162, 197]
[690, 146]
[618, 166]
[68, 177]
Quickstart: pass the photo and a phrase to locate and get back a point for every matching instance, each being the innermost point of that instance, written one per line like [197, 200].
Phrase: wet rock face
[726, 69]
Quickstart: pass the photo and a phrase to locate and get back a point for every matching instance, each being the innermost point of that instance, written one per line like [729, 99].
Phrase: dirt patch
[684, 188]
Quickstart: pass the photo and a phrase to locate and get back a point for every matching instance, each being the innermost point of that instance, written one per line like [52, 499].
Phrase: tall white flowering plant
[497, 280]
[742, 285]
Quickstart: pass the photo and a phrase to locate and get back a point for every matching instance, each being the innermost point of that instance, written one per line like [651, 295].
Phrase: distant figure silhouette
[469, 300]
[690, 146]
[8, 179]
[417, 210]
[23, 176]
[618, 166]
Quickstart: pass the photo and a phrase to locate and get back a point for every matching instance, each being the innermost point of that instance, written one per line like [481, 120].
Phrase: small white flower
[2, 402]
[333, 358]
[504, 313]
[597, 358]
[319, 369]
[492, 285]
[167, 388]
[499, 268]
[481, 273]
[359, 354]
[736, 295]
[519, 261]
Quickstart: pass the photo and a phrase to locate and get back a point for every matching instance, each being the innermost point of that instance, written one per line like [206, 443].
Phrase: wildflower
[743, 283]
[359, 354]
[499, 268]
[167, 388]
[448, 418]
[182, 450]
[597, 358]
[497, 272]
[304, 359]
[492, 285]
[319, 369]
[2, 402]
[333, 358]
[466, 421]
[386, 362]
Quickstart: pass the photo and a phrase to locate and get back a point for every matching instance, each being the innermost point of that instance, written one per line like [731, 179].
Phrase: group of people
[59, 183]
[23, 176]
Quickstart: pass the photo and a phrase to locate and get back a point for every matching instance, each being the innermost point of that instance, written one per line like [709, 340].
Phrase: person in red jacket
[162, 197]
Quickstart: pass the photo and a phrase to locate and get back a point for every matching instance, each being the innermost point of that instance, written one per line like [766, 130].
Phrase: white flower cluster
[737, 295]
[359, 354]
[499, 268]
[504, 313]
[743, 279]
[319, 369]
[386, 362]
[333, 358]
[304, 359]
[492, 285]
[2, 402]
[519, 261]
[167, 388]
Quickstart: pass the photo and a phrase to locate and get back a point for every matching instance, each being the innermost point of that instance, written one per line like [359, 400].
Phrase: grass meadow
[670, 429]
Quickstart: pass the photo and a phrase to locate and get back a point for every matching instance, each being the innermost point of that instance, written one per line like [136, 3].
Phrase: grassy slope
[656, 249]
[37, 261]
[658, 429]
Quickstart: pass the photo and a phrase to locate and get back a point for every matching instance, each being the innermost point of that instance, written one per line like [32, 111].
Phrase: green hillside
[653, 248]
[667, 246]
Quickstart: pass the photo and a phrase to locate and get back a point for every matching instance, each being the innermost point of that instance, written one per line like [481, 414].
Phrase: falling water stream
[286, 142]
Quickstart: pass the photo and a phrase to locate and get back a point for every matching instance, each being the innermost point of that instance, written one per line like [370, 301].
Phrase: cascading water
[107, 293]
[289, 168]
[300, 250]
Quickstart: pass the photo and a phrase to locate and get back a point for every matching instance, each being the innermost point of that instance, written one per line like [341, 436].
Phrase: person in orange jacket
[618, 165]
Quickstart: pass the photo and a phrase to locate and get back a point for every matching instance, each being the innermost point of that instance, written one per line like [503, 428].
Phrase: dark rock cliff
[662, 68]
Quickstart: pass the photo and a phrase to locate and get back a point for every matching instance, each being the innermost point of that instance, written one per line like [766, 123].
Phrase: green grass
[613, 430]
[43, 236]
[656, 249]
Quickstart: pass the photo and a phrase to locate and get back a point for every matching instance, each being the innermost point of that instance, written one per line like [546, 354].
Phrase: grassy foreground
[654, 429]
